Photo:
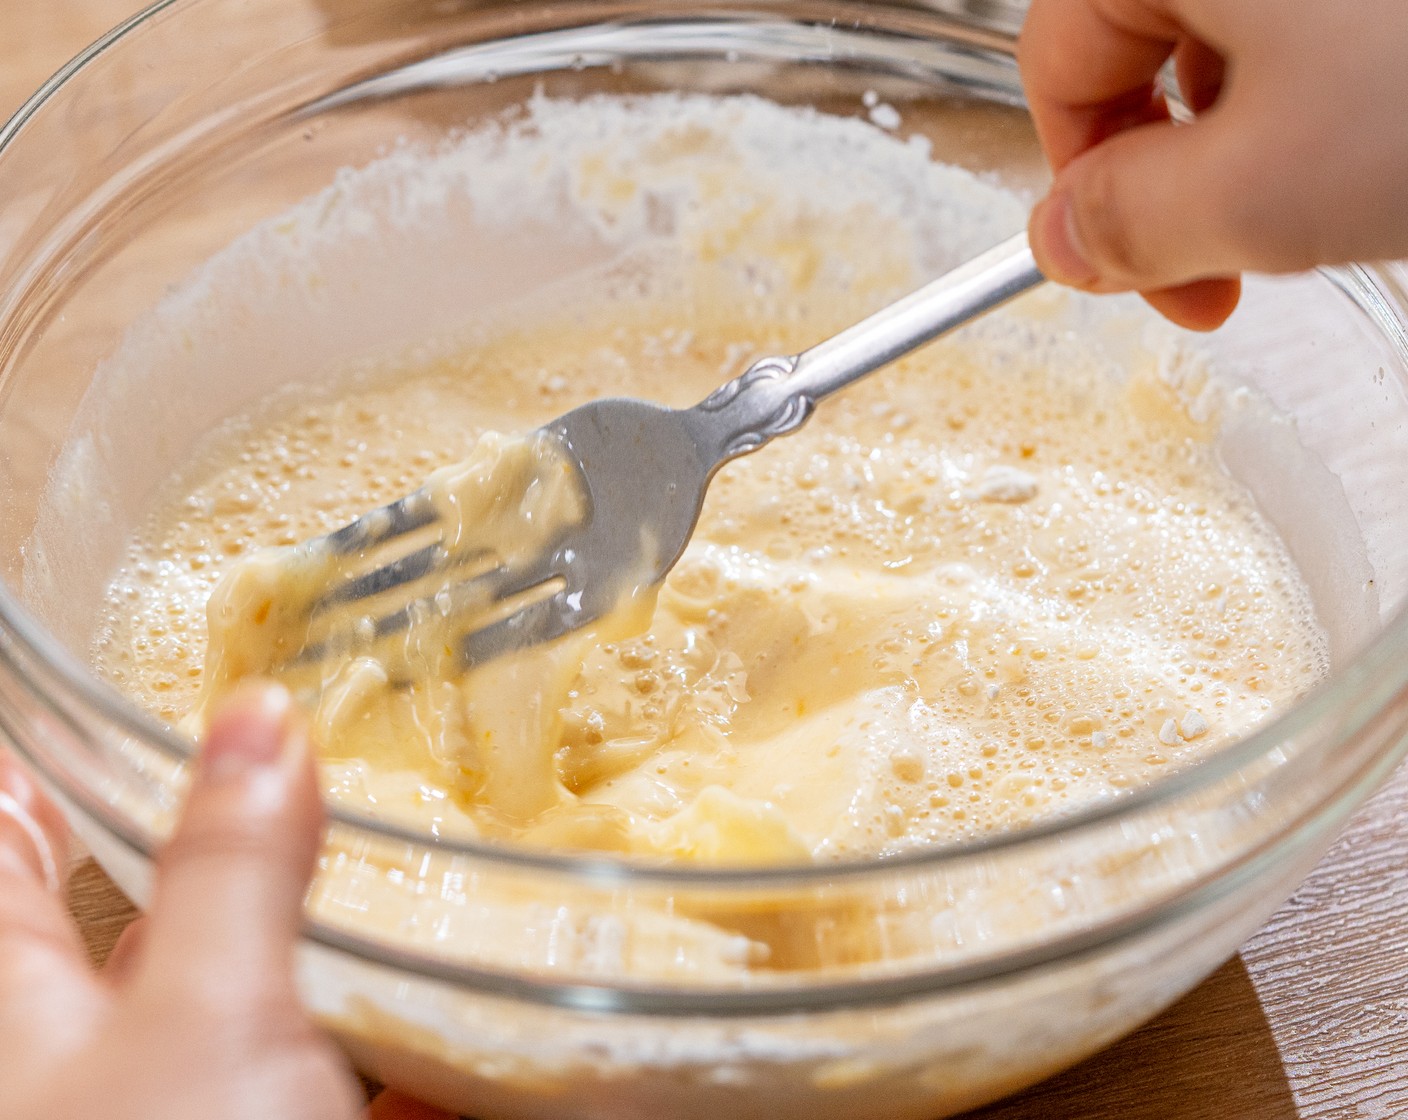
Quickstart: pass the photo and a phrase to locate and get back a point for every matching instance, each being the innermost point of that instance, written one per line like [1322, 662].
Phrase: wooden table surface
[1310, 1020]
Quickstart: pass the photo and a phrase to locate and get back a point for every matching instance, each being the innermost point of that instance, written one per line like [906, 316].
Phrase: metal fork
[644, 469]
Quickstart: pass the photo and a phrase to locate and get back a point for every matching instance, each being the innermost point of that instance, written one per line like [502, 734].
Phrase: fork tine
[480, 593]
[405, 570]
[539, 622]
[405, 515]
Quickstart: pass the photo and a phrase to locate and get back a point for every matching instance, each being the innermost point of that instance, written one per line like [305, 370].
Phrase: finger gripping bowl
[198, 120]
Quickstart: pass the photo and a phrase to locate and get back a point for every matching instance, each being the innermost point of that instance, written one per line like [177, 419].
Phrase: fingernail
[258, 726]
[1057, 242]
[14, 794]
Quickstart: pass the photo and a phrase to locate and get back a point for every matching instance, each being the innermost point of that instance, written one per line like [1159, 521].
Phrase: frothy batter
[959, 600]
[1000, 581]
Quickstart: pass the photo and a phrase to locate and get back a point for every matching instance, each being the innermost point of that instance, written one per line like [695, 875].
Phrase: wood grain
[1310, 1022]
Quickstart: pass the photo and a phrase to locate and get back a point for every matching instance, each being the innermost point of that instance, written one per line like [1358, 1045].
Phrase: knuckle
[249, 1010]
[318, 1073]
[220, 841]
[1116, 250]
[221, 836]
[31, 947]
[1267, 229]
[1252, 212]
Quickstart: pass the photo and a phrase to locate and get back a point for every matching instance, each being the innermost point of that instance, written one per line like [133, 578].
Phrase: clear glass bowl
[199, 119]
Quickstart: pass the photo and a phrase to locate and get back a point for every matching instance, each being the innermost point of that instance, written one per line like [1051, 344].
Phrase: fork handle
[776, 395]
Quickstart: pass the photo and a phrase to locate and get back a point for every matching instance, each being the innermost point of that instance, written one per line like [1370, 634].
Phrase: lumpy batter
[959, 600]
[1002, 580]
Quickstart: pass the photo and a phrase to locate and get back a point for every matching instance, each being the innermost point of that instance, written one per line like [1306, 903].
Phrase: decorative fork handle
[776, 395]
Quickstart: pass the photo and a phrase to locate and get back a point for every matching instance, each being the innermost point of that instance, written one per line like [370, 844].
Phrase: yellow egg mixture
[974, 591]
[1002, 580]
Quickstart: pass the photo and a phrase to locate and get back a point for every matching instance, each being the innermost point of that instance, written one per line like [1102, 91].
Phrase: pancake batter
[949, 605]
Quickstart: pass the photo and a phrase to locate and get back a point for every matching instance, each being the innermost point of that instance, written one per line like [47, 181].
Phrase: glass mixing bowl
[201, 118]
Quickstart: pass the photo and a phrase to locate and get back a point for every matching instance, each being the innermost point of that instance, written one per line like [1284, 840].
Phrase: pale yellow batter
[955, 602]
[1003, 580]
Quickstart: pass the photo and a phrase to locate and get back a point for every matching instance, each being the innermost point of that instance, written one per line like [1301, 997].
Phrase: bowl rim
[1343, 696]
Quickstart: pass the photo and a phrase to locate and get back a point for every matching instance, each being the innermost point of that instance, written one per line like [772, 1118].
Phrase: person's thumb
[228, 903]
[1148, 210]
